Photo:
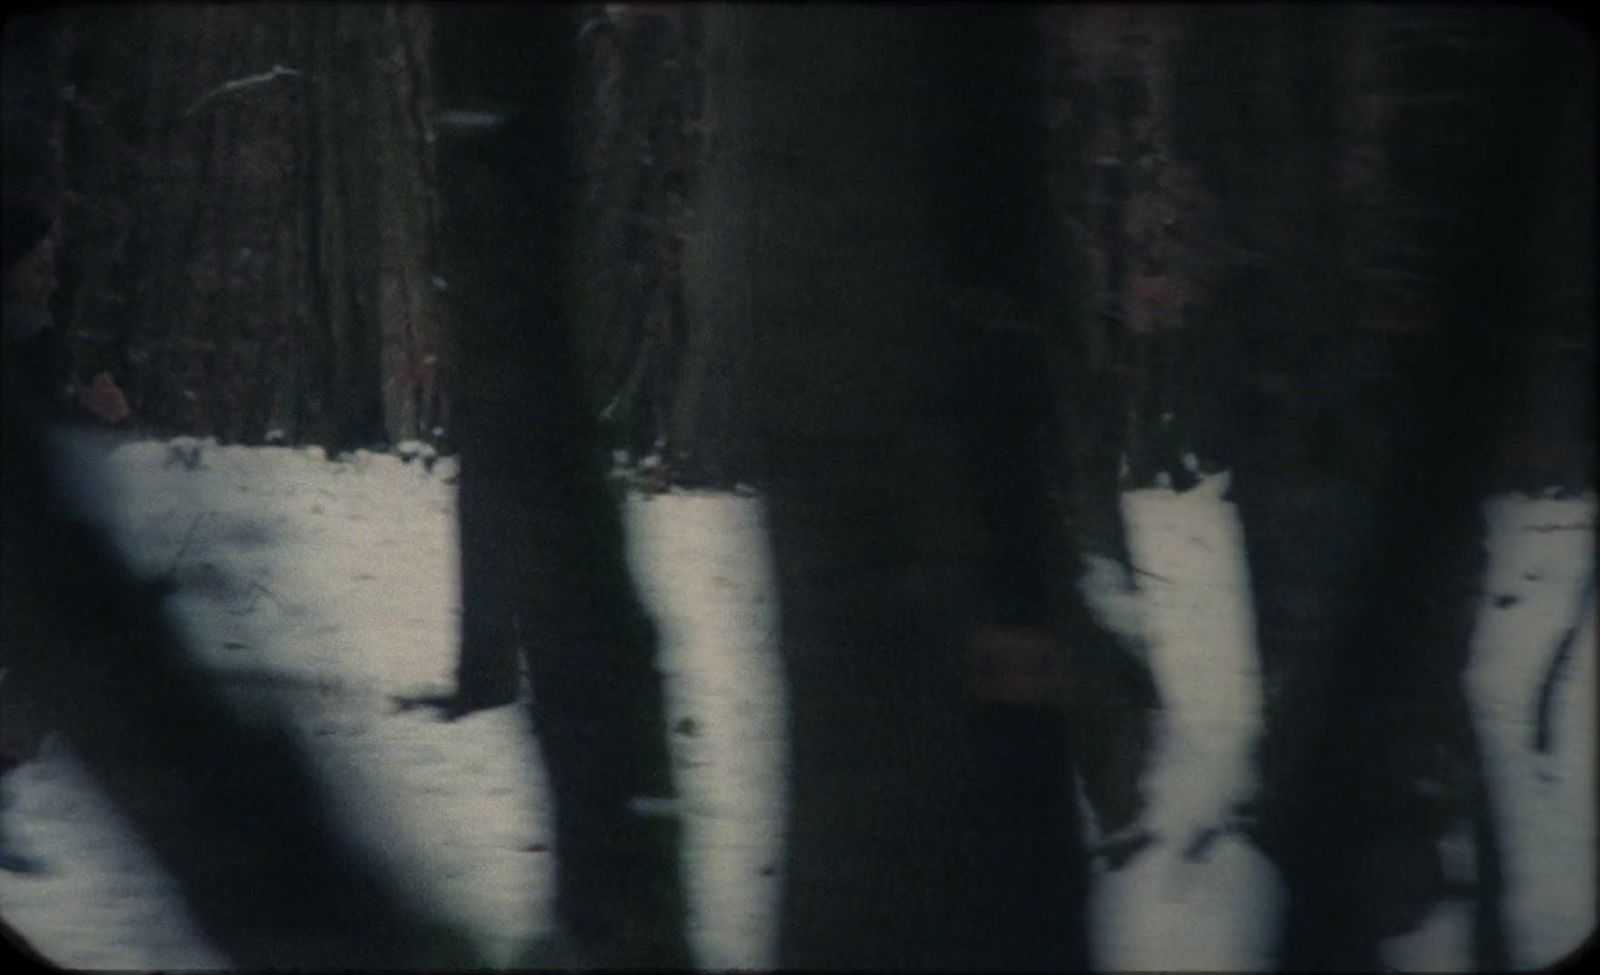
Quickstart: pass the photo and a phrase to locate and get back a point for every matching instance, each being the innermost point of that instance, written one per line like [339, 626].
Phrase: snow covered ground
[337, 579]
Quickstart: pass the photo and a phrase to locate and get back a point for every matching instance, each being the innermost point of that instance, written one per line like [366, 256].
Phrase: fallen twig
[1154, 575]
[1544, 701]
[177, 557]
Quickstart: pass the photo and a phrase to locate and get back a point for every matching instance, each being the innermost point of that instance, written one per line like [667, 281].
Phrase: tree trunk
[638, 166]
[931, 817]
[715, 400]
[406, 300]
[532, 480]
[1368, 417]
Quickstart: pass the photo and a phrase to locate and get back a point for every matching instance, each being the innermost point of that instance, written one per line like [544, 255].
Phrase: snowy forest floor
[330, 586]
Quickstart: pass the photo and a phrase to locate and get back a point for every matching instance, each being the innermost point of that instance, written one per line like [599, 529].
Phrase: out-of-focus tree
[1388, 169]
[711, 422]
[543, 564]
[371, 222]
[639, 148]
[894, 257]
[1135, 219]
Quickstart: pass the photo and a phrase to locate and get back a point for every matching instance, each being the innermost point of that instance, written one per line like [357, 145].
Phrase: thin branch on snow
[1576, 526]
[1555, 670]
[238, 84]
[184, 547]
[1154, 575]
[251, 592]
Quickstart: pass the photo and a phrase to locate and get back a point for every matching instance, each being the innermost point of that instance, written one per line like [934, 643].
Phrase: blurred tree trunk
[1378, 339]
[1132, 216]
[1090, 164]
[637, 112]
[895, 181]
[711, 419]
[620, 214]
[370, 99]
[542, 539]
[398, 113]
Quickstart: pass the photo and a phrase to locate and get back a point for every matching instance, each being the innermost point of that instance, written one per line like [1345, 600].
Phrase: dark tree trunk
[1368, 412]
[894, 171]
[712, 415]
[39, 46]
[638, 154]
[350, 216]
[532, 485]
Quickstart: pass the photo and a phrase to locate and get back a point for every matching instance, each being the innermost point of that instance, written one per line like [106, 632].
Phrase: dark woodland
[941, 285]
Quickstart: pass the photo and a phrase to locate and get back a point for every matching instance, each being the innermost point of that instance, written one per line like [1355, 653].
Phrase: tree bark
[1368, 417]
[715, 401]
[930, 824]
[532, 477]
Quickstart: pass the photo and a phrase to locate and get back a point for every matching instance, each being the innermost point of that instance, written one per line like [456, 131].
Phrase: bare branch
[238, 84]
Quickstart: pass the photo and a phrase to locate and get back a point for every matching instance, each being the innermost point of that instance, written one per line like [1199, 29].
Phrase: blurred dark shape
[892, 198]
[1402, 207]
[543, 562]
[229, 807]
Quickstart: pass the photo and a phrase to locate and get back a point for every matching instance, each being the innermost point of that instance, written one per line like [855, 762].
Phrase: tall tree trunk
[406, 300]
[352, 223]
[893, 173]
[1368, 417]
[631, 224]
[711, 418]
[532, 476]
